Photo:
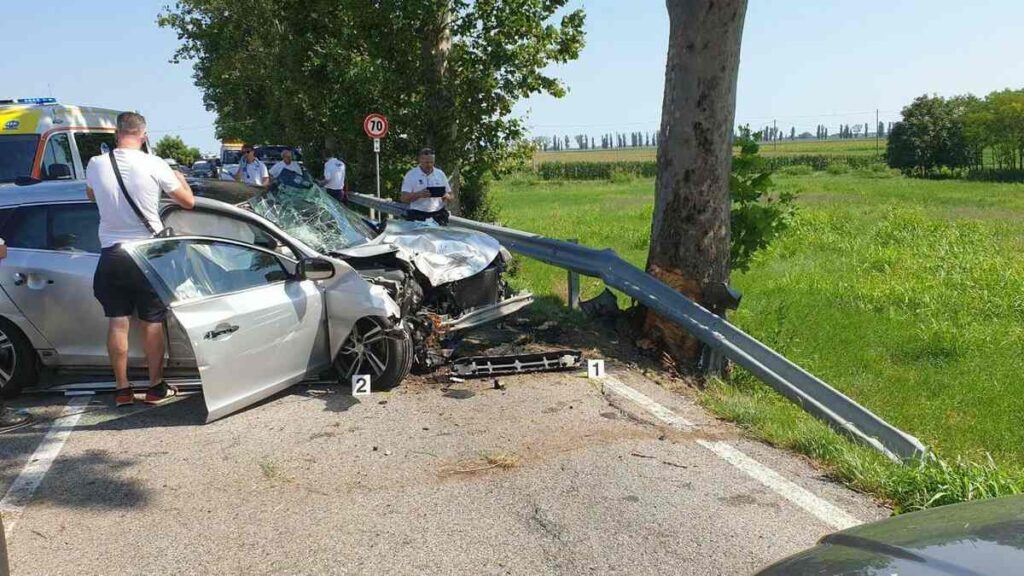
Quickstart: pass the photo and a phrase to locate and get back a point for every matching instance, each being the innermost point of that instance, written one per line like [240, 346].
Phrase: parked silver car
[265, 288]
[253, 319]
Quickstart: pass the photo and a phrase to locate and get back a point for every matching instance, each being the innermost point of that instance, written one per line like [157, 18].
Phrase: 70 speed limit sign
[375, 126]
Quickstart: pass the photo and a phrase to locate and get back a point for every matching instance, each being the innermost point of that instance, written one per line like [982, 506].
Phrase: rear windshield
[17, 151]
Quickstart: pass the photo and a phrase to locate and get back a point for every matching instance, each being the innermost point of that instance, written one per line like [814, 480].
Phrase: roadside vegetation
[906, 294]
[855, 147]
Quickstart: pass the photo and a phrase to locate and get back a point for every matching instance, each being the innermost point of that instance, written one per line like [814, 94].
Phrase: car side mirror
[315, 269]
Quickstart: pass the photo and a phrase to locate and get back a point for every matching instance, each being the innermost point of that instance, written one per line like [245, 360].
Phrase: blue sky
[804, 62]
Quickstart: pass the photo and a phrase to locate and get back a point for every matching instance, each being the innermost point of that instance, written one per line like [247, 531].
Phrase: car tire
[19, 365]
[366, 348]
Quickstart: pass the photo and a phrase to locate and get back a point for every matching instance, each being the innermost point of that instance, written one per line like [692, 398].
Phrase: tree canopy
[446, 73]
[933, 134]
[174, 147]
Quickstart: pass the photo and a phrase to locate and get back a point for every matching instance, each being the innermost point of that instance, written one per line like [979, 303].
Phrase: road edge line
[804, 499]
[20, 493]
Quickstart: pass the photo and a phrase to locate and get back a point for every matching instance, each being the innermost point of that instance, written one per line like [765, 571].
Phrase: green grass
[783, 148]
[906, 294]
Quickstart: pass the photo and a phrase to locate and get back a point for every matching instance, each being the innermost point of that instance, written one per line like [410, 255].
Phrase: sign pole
[376, 154]
[376, 127]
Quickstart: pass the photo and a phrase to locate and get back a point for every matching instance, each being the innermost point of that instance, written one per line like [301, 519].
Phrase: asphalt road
[551, 475]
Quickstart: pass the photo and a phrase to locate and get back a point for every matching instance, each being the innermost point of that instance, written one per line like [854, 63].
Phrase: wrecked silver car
[444, 279]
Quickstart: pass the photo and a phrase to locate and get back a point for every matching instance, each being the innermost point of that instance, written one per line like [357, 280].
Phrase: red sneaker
[160, 393]
[124, 397]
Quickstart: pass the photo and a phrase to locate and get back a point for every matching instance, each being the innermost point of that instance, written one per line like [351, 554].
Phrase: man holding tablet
[425, 188]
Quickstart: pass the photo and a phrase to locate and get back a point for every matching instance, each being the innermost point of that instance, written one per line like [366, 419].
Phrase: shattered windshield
[305, 211]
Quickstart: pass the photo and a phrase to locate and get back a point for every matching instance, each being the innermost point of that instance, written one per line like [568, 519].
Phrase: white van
[41, 139]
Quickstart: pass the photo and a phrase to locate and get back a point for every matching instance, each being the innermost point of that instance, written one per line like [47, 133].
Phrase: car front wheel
[18, 364]
[375, 349]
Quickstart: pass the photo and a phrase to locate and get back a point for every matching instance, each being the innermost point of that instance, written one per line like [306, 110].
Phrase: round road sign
[375, 126]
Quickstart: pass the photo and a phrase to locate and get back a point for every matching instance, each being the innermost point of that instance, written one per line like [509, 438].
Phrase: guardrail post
[574, 284]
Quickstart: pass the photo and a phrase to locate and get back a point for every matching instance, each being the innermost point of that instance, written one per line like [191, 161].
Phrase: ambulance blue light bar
[30, 101]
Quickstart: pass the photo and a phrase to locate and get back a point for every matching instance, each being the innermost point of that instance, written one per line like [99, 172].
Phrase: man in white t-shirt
[118, 283]
[334, 177]
[422, 184]
[251, 169]
[287, 163]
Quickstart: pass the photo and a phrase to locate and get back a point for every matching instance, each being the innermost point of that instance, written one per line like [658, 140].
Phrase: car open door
[254, 325]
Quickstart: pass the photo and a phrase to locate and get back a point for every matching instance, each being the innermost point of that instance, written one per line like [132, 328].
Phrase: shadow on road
[92, 480]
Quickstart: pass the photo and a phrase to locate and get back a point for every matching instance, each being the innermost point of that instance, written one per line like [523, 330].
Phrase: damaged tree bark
[690, 230]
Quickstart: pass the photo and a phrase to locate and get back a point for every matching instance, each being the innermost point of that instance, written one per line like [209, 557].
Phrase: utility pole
[876, 131]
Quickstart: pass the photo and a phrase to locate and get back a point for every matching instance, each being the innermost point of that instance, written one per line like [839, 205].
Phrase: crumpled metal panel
[306, 212]
[440, 253]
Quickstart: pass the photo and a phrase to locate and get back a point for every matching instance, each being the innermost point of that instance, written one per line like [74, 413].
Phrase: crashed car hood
[441, 253]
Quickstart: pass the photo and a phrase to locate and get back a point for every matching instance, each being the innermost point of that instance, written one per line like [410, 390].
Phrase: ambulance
[41, 139]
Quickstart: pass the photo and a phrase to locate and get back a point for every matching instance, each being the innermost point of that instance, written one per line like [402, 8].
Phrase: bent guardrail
[810, 393]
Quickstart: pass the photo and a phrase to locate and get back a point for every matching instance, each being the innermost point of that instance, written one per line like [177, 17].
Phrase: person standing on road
[418, 182]
[334, 177]
[251, 169]
[287, 163]
[128, 202]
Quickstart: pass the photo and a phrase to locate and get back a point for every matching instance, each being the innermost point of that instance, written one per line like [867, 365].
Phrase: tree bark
[690, 229]
[441, 126]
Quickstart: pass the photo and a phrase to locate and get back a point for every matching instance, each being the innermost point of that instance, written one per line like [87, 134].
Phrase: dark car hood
[984, 537]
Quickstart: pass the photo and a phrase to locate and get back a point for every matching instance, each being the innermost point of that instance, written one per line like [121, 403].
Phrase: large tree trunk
[441, 118]
[690, 229]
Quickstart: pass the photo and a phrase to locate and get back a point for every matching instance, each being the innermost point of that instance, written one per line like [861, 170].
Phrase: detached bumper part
[518, 363]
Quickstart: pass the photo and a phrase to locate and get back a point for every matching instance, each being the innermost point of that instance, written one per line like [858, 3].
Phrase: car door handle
[221, 330]
[33, 280]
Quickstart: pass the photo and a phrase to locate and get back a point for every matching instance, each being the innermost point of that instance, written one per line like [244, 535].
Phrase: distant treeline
[606, 141]
[961, 136]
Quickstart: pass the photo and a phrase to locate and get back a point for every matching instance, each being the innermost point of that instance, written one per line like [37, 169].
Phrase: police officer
[421, 185]
[334, 175]
[251, 169]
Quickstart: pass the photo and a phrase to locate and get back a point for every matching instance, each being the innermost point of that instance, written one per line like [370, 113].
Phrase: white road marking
[24, 486]
[801, 497]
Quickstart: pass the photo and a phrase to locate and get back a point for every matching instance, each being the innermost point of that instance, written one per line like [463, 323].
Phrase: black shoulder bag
[166, 232]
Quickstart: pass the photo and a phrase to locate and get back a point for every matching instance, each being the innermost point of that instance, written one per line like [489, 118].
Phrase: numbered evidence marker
[361, 385]
[595, 368]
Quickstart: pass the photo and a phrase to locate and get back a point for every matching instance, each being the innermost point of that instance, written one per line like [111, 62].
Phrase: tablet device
[436, 191]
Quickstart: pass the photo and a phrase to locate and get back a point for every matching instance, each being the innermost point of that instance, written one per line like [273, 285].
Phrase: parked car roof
[71, 190]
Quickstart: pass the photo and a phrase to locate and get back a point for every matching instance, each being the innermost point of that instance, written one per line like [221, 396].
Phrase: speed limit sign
[375, 126]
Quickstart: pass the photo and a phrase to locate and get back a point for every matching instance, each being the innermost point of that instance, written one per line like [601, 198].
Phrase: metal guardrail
[793, 382]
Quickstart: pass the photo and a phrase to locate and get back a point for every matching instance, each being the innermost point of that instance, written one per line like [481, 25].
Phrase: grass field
[906, 294]
[784, 148]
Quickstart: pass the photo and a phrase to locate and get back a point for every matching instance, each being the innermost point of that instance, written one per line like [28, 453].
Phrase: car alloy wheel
[8, 359]
[376, 349]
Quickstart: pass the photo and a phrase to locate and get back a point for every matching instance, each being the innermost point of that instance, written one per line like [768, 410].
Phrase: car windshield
[16, 154]
[230, 156]
[303, 210]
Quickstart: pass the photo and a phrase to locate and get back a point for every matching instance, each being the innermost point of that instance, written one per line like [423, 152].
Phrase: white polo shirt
[276, 169]
[255, 172]
[145, 176]
[334, 174]
[416, 180]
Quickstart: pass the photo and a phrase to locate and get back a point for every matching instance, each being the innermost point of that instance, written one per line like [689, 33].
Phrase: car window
[205, 223]
[74, 227]
[17, 151]
[27, 229]
[57, 162]
[199, 268]
[92, 144]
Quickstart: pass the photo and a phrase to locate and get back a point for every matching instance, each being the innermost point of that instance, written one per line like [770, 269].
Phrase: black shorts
[339, 195]
[123, 290]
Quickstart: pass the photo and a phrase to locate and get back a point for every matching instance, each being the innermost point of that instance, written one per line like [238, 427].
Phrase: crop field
[906, 294]
[828, 147]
